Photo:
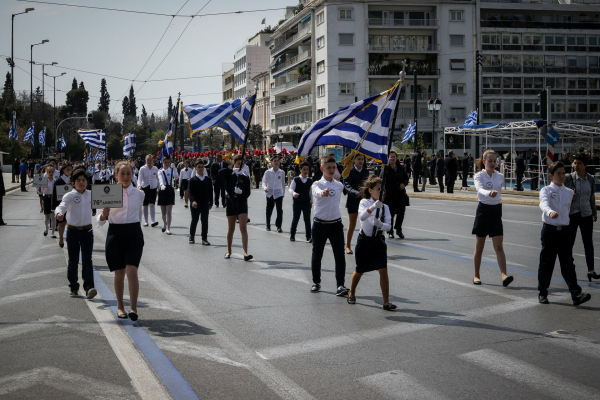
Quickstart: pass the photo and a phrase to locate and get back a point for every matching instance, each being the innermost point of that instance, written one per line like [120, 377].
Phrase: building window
[456, 15]
[321, 113]
[320, 90]
[346, 39]
[346, 14]
[346, 88]
[458, 113]
[407, 112]
[346, 64]
[458, 88]
[321, 42]
[320, 67]
[457, 40]
[456, 64]
[320, 17]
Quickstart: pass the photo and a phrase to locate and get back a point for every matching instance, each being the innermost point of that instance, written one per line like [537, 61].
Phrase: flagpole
[248, 128]
[176, 124]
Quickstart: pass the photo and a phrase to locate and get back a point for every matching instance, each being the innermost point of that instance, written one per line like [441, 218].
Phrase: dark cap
[581, 149]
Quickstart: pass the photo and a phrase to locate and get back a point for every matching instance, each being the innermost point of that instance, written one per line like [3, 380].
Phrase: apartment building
[262, 108]
[250, 60]
[227, 83]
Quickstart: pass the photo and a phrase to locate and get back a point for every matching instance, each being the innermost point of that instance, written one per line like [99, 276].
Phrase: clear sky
[118, 44]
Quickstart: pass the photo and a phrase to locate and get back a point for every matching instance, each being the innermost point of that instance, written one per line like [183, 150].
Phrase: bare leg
[47, 221]
[119, 288]
[500, 256]
[134, 287]
[230, 229]
[479, 245]
[354, 283]
[169, 216]
[351, 227]
[243, 219]
[61, 232]
[384, 282]
[53, 222]
[146, 214]
[163, 214]
[185, 196]
[41, 204]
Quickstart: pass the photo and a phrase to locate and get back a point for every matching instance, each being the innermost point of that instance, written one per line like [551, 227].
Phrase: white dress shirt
[98, 175]
[556, 198]
[485, 184]
[292, 187]
[148, 177]
[186, 173]
[56, 174]
[78, 207]
[327, 208]
[50, 188]
[131, 212]
[274, 182]
[366, 219]
[167, 176]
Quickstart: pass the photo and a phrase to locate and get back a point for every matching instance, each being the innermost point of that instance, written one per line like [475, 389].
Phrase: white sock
[146, 214]
[169, 216]
[152, 212]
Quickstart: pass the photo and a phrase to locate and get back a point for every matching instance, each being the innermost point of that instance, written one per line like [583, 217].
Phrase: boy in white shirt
[274, 185]
[555, 202]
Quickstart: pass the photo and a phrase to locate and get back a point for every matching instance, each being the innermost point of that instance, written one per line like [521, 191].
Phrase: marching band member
[98, 176]
[47, 193]
[352, 184]
[200, 193]
[488, 218]
[274, 186]
[184, 177]
[371, 250]
[75, 211]
[300, 191]
[148, 182]
[166, 194]
[64, 179]
[125, 240]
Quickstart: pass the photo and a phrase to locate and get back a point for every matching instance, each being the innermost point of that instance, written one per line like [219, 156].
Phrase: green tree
[144, 117]
[152, 122]
[74, 84]
[255, 136]
[104, 103]
[132, 106]
[7, 101]
[81, 86]
[125, 106]
[170, 107]
[77, 100]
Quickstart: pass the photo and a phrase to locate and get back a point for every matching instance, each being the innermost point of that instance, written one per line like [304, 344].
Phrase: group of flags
[410, 132]
[30, 134]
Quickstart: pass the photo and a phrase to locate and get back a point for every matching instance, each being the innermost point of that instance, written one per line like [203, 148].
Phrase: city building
[262, 108]
[227, 82]
[249, 61]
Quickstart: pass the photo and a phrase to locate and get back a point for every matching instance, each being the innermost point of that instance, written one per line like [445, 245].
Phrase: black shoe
[349, 252]
[248, 220]
[279, 230]
[90, 293]
[205, 242]
[133, 316]
[248, 257]
[163, 229]
[351, 300]
[192, 241]
[543, 299]
[61, 245]
[2, 223]
[342, 291]
[268, 228]
[292, 238]
[74, 293]
[309, 240]
[581, 298]
[590, 275]
[315, 288]
[389, 307]
[154, 224]
[507, 281]
[400, 234]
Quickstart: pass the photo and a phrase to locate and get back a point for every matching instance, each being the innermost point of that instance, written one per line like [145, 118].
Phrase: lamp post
[12, 81]
[55, 134]
[434, 107]
[298, 130]
[31, 76]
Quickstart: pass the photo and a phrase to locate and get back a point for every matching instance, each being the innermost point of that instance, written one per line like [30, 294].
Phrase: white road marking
[196, 350]
[64, 381]
[399, 385]
[579, 344]
[529, 375]
[41, 273]
[44, 258]
[28, 252]
[473, 216]
[31, 295]
[285, 273]
[57, 320]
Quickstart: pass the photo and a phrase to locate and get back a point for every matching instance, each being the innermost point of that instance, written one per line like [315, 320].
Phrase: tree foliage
[125, 106]
[74, 84]
[170, 107]
[104, 103]
[255, 136]
[132, 107]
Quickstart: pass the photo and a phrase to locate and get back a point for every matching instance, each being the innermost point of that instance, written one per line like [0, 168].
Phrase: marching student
[125, 240]
[64, 179]
[148, 182]
[396, 180]
[326, 193]
[200, 193]
[488, 217]
[41, 170]
[237, 186]
[274, 186]
[555, 202]
[358, 174]
[217, 181]
[371, 250]
[301, 202]
[47, 193]
[166, 194]
[184, 177]
[98, 176]
[75, 210]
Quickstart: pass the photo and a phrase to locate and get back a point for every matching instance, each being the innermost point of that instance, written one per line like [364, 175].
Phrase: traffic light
[223, 144]
[543, 105]
[211, 135]
[90, 118]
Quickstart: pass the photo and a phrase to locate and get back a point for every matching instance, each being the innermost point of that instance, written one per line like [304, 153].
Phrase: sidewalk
[12, 186]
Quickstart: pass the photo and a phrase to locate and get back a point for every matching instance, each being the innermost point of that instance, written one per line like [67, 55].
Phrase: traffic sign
[552, 136]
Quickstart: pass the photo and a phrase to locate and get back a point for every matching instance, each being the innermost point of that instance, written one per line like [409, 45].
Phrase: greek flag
[63, 142]
[362, 126]
[99, 155]
[471, 119]
[129, 144]
[42, 136]
[232, 116]
[166, 145]
[410, 132]
[29, 134]
[94, 138]
[12, 133]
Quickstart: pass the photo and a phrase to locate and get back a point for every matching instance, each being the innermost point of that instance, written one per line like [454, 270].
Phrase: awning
[280, 75]
[305, 18]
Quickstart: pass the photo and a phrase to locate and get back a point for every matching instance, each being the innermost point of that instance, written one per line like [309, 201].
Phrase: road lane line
[44, 258]
[529, 375]
[41, 273]
[399, 385]
[31, 295]
[28, 251]
[195, 350]
[579, 344]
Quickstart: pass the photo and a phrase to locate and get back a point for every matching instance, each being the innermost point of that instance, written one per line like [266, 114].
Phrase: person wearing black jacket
[441, 170]
[200, 194]
[217, 180]
[396, 180]
[2, 194]
[352, 184]
[520, 170]
[416, 166]
[432, 165]
[302, 201]
[64, 179]
[465, 170]
[451, 171]
[534, 164]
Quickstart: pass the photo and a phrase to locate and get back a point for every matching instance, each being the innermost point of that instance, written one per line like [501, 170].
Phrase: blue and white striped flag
[166, 145]
[12, 133]
[99, 155]
[63, 142]
[42, 136]
[471, 119]
[129, 144]
[362, 126]
[232, 116]
[29, 134]
[94, 138]
[410, 132]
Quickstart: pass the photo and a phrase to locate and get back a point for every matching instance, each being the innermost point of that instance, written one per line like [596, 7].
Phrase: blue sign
[552, 137]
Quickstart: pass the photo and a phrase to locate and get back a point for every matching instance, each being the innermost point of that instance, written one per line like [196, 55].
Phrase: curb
[473, 199]
[17, 187]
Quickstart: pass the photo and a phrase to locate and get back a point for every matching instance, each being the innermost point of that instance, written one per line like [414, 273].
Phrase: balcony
[577, 70]
[405, 96]
[533, 70]
[543, 1]
[394, 69]
[228, 86]
[291, 84]
[292, 61]
[511, 69]
[307, 101]
[298, 36]
[401, 23]
[539, 24]
[401, 48]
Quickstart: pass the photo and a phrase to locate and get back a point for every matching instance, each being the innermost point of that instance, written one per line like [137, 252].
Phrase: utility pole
[415, 90]
[181, 139]
[477, 65]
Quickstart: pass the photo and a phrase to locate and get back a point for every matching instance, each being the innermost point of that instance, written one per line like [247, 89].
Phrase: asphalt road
[229, 329]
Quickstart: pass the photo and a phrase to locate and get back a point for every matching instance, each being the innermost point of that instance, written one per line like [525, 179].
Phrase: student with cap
[166, 194]
[148, 182]
[64, 179]
[301, 201]
[274, 186]
[185, 174]
[200, 194]
[352, 184]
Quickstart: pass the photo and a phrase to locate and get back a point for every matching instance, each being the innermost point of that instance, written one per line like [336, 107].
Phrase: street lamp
[55, 135]
[434, 107]
[31, 76]
[12, 80]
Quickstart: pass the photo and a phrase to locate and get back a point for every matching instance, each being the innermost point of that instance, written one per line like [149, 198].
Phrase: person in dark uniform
[441, 170]
[358, 174]
[310, 162]
[217, 180]
[396, 180]
[300, 191]
[451, 167]
[23, 173]
[534, 162]
[520, 170]
[416, 166]
[64, 179]
[465, 170]
[2, 194]
[432, 165]
[200, 194]
[256, 172]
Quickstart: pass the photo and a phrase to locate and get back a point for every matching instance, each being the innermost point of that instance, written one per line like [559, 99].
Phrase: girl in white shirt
[47, 199]
[125, 240]
[185, 175]
[488, 217]
[148, 182]
[166, 194]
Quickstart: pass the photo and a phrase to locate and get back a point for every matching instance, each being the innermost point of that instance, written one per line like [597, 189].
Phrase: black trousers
[272, 203]
[450, 183]
[535, 179]
[77, 240]
[199, 213]
[304, 208]
[465, 175]
[557, 243]
[586, 226]
[416, 179]
[399, 221]
[441, 182]
[335, 234]
[23, 182]
[1, 197]
[519, 179]
[432, 178]
[219, 189]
